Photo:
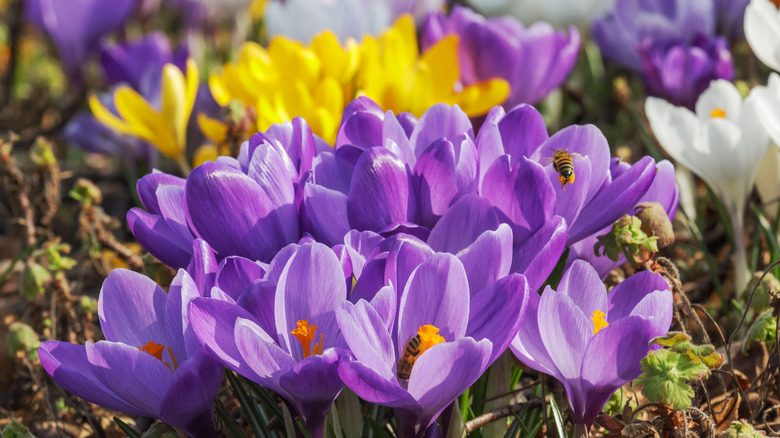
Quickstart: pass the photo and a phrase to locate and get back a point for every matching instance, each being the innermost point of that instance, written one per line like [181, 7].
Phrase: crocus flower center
[776, 3]
[427, 336]
[306, 335]
[719, 113]
[598, 321]
[156, 350]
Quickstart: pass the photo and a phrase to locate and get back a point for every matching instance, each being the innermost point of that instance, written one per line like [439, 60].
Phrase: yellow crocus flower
[289, 79]
[166, 128]
[398, 78]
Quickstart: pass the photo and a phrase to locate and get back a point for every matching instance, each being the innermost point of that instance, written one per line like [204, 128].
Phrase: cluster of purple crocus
[305, 268]
[673, 44]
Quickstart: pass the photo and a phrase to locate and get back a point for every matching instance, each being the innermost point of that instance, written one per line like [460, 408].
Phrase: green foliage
[762, 330]
[160, 430]
[741, 429]
[34, 279]
[15, 429]
[54, 255]
[42, 154]
[681, 343]
[86, 192]
[665, 376]
[22, 340]
[617, 401]
[628, 239]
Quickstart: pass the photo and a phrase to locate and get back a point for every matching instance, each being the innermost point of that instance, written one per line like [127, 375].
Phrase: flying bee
[406, 361]
[563, 164]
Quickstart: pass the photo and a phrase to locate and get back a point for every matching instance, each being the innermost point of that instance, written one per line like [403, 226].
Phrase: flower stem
[741, 269]
[581, 431]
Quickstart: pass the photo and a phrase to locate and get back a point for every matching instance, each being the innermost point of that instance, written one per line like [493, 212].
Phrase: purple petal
[67, 364]
[614, 200]
[232, 212]
[310, 288]
[213, 322]
[489, 144]
[465, 221]
[362, 104]
[444, 371]
[362, 129]
[203, 266]
[611, 360]
[436, 294]
[265, 358]
[147, 188]
[537, 256]
[367, 336]
[497, 311]
[362, 246]
[258, 299]
[565, 335]
[369, 385]
[488, 258]
[131, 309]
[380, 193]
[440, 120]
[189, 403]
[371, 280]
[314, 379]
[571, 198]
[403, 258]
[324, 214]
[138, 377]
[181, 337]
[522, 132]
[154, 234]
[582, 284]
[523, 193]
[235, 274]
[528, 345]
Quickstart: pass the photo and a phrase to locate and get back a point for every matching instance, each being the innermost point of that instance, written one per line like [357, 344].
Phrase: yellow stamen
[598, 321]
[156, 351]
[306, 335]
[718, 113]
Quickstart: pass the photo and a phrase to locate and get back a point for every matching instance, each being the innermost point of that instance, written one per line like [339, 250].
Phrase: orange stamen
[429, 337]
[156, 351]
[306, 335]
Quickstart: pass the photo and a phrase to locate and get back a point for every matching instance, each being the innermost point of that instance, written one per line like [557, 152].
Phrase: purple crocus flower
[596, 198]
[281, 332]
[150, 363]
[534, 60]
[139, 63]
[75, 26]
[455, 332]
[679, 73]
[592, 341]
[624, 29]
[244, 207]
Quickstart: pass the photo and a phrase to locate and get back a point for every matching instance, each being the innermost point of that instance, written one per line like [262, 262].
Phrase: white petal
[723, 95]
[762, 30]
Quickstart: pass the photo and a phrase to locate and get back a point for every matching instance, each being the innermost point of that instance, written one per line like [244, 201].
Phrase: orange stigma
[429, 337]
[719, 113]
[598, 321]
[776, 3]
[156, 351]
[306, 335]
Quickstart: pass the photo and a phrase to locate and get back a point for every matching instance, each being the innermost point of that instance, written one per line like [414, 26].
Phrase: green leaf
[665, 376]
[34, 278]
[741, 429]
[762, 330]
[160, 430]
[15, 429]
[22, 339]
[129, 431]
[681, 343]
[558, 419]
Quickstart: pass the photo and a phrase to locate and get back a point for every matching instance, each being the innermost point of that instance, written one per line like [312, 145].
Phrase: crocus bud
[627, 238]
[655, 222]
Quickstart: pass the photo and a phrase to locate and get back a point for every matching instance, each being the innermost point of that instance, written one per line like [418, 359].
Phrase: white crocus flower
[722, 143]
[762, 30]
[768, 180]
[559, 13]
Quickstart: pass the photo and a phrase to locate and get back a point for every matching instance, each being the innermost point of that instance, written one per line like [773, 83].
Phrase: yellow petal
[174, 94]
[329, 96]
[477, 99]
[146, 122]
[106, 117]
[219, 90]
[442, 58]
[292, 59]
[207, 152]
[213, 129]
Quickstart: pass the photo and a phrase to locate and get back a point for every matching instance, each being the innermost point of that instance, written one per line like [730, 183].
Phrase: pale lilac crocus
[150, 363]
[534, 59]
[591, 341]
[281, 332]
[462, 332]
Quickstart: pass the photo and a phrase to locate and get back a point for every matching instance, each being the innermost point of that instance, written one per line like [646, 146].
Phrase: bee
[406, 361]
[563, 164]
